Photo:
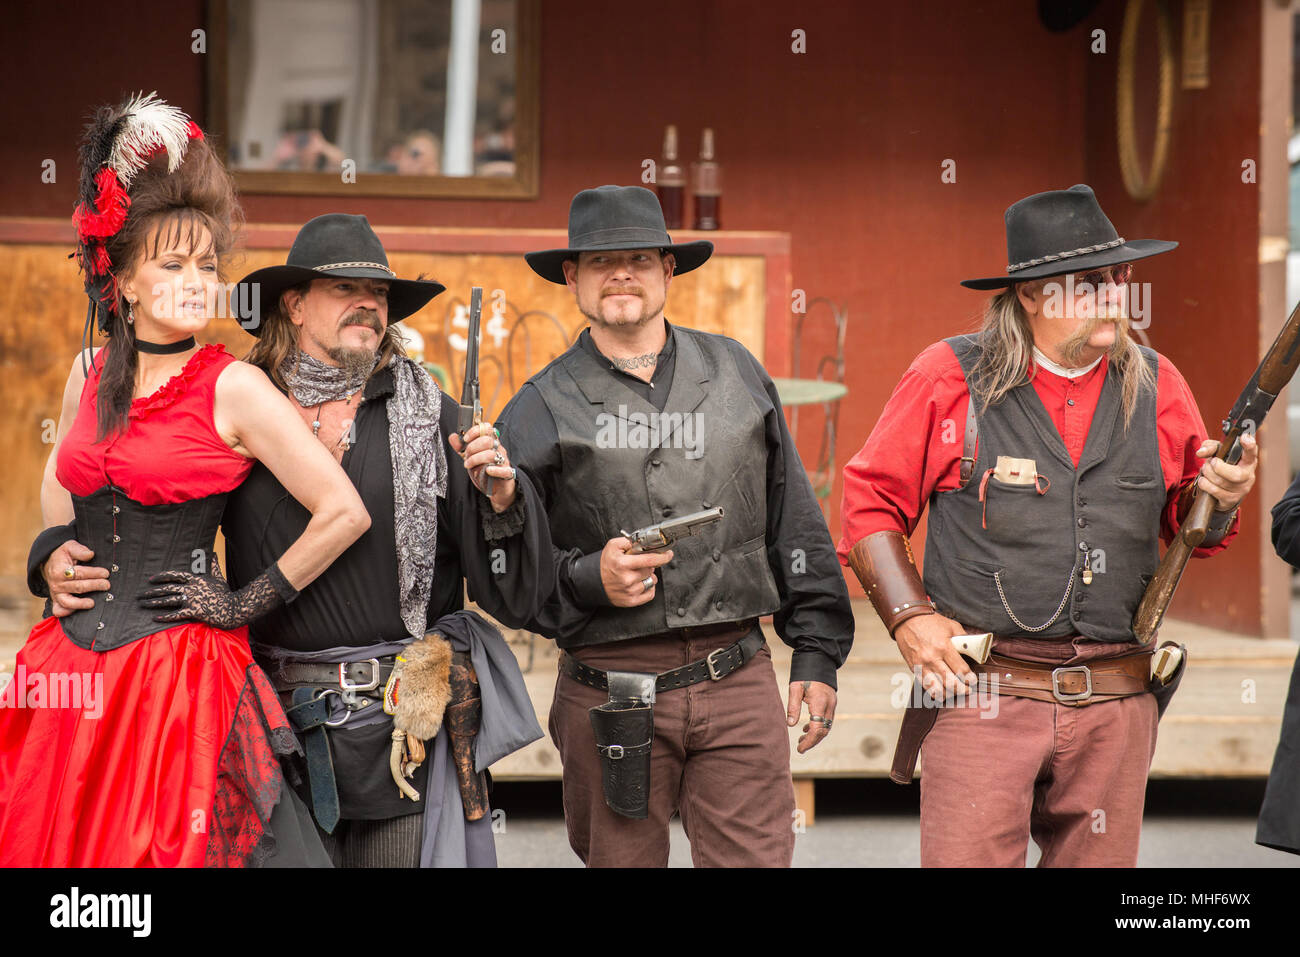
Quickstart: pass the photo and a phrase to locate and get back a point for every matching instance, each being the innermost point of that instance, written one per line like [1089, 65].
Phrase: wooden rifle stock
[1252, 405]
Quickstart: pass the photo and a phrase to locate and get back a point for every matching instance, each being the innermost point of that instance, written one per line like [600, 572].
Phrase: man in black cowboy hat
[326, 332]
[327, 336]
[1080, 450]
[666, 699]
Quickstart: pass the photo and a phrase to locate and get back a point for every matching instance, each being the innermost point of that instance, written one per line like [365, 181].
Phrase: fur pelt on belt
[421, 686]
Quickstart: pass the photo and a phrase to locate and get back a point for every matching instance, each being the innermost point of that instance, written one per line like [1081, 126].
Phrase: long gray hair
[1008, 346]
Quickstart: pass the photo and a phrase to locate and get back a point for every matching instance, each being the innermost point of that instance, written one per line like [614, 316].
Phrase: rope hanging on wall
[1142, 185]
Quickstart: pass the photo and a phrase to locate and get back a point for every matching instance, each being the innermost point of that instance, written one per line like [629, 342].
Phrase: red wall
[840, 146]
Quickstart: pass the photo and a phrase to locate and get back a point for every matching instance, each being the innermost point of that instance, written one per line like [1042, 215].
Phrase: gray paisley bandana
[313, 382]
[419, 464]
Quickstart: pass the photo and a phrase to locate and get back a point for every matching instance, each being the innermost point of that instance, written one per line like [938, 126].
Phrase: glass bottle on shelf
[707, 185]
[672, 183]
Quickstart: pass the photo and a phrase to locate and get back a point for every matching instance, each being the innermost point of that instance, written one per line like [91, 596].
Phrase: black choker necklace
[170, 349]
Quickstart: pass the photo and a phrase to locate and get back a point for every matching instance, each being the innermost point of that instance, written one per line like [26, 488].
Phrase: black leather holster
[624, 727]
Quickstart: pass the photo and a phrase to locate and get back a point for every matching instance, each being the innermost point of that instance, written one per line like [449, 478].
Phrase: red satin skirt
[160, 753]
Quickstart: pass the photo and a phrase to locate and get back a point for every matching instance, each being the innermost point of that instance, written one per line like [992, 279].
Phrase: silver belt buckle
[349, 689]
[614, 752]
[708, 663]
[1064, 697]
[371, 685]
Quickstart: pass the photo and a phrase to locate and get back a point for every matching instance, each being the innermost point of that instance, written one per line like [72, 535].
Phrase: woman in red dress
[137, 731]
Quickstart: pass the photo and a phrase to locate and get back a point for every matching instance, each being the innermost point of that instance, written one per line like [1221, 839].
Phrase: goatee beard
[357, 364]
[596, 319]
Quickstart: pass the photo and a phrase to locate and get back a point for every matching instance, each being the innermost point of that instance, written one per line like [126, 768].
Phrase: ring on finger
[648, 583]
[70, 572]
[499, 459]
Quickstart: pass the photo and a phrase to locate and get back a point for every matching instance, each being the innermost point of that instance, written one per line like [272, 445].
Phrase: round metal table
[809, 391]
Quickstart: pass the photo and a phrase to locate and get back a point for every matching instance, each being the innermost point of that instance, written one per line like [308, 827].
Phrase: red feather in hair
[100, 262]
[109, 213]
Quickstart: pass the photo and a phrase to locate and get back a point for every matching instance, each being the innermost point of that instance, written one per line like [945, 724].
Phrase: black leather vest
[626, 465]
[133, 542]
[1014, 563]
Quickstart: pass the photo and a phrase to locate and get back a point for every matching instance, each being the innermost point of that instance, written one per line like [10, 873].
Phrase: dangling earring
[130, 313]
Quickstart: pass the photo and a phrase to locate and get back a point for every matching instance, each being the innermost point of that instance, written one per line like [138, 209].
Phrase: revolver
[655, 538]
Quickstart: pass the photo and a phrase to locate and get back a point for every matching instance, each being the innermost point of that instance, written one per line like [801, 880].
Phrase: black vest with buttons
[616, 478]
[133, 542]
[1016, 563]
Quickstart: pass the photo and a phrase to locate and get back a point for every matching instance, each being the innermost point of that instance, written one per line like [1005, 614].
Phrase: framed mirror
[431, 98]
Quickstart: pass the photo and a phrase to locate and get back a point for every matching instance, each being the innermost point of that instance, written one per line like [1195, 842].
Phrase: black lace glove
[207, 598]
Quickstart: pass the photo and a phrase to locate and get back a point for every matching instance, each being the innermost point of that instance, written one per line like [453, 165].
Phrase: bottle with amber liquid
[672, 183]
[706, 184]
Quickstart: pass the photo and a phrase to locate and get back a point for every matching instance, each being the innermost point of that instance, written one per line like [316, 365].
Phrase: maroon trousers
[1073, 778]
[720, 758]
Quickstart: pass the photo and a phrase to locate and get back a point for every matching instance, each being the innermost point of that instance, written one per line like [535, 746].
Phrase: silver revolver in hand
[655, 538]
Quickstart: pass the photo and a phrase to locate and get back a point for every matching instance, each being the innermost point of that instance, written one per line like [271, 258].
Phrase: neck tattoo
[647, 361]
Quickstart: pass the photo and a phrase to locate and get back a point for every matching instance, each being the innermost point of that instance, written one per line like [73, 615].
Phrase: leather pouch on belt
[624, 728]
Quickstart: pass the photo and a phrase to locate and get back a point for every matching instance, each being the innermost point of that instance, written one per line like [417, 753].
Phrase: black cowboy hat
[617, 217]
[335, 244]
[1061, 231]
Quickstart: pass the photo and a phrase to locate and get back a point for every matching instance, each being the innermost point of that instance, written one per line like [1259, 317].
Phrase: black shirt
[815, 617]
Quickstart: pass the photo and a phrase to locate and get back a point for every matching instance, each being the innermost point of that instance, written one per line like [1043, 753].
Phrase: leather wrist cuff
[884, 565]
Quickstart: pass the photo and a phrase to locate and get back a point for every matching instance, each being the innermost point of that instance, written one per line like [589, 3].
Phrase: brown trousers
[721, 758]
[1073, 778]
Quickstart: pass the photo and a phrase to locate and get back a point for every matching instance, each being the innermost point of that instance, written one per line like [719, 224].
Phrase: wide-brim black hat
[336, 244]
[1062, 231]
[617, 217]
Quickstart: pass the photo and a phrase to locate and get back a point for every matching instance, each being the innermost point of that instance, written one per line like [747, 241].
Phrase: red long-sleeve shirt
[915, 449]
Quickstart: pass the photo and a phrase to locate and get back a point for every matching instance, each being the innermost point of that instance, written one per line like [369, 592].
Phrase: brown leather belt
[1074, 685]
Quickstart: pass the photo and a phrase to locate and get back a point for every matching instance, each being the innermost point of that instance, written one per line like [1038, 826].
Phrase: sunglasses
[1118, 274]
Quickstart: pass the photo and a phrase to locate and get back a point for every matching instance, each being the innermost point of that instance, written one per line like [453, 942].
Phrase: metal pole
[462, 90]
